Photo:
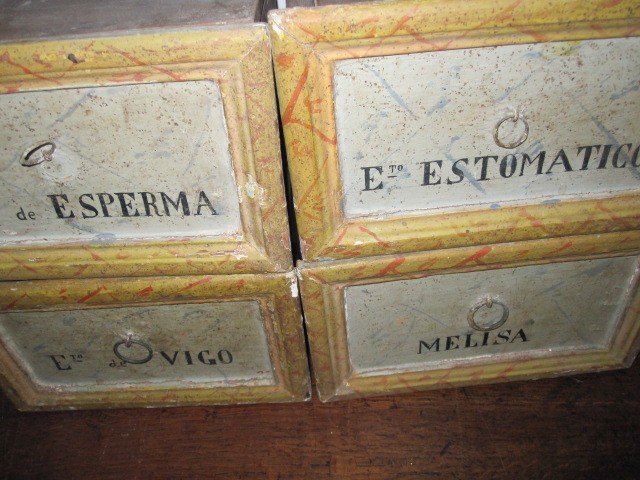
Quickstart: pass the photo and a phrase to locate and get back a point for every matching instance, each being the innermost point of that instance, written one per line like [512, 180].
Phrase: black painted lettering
[635, 157]
[58, 362]
[526, 160]
[504, 336]
[457, 171]
[203, 201]
[170, 360]
[187, 357]
[588, 150]
[508, 166]
[149, 202]
[60, 207]
[451, 342]
[604, 157]
[128, 210]
[520, 335]
[87, 206]
[106, 199]
[616, 154]
[561, 157]
[428, 174]
[485, 164]
[369, 179]
[208, 360]
[468, 343]
[181, 201]
[225, 357]
[435, 345]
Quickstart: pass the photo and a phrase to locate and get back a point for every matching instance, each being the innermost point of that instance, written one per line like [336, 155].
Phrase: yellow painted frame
[323, 285]
[307, 43]
[279, 304]
[239, 59]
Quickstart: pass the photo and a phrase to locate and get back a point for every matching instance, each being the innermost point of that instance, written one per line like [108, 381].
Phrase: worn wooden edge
[280, 307]
[236, 58]
[307, 43]
[323, 285]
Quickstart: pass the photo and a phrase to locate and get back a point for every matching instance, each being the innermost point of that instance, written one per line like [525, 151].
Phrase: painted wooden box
[155, 341]
[471, 315]
[413, 125]
[138, 138]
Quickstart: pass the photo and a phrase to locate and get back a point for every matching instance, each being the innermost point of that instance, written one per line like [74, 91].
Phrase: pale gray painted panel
[217, 344]
[141, 141]
[404, 111]
[551, 308]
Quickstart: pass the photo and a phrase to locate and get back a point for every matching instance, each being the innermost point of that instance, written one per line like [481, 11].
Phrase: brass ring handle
[127, 343]
[515, 118]
[489, 303]
[39, 154]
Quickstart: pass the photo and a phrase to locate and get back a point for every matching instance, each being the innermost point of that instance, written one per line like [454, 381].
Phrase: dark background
[585, 426]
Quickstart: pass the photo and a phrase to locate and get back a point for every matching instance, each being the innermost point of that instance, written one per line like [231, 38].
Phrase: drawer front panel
[213, 344]
[538, 310]
[144, 161]
[488, 127]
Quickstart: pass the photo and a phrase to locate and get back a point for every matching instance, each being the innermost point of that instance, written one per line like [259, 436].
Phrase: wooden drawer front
[469, 316]
[425, 324]
[413, 126]
[131, 162]
[419, 136]
[204, 350]
[136, 158]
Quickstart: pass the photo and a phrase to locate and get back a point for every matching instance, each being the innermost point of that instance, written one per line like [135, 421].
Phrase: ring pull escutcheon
[488, 302]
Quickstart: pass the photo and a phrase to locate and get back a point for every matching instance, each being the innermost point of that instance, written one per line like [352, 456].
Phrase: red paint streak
[533, 220]
[537, 36]
[266, 214]
[610, 3]
[10, 305]
[25, 266]
[564, 247]
[5, 58]
[122, 256]
[241, 283]
[322, 136]
[378, 240]
[92, 294]
[145, 291]
[284, 60]
[191, 285]
[427, 264]
[80, 270]
[475, 257]
[288, 111]
[94, 255]
[341, 236]
[391, 267]
[506, 372]
[140, 63]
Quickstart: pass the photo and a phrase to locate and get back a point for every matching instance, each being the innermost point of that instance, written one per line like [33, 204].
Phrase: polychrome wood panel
[412, 125]
[470, 315]
[145, 154]
[152, 341]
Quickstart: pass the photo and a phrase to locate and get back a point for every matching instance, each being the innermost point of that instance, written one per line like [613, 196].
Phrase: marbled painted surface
[398, 111]
[558, 307]
[190, 346]
[159, 137]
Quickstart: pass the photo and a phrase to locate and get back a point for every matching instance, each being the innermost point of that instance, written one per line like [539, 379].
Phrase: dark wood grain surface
[585, 426]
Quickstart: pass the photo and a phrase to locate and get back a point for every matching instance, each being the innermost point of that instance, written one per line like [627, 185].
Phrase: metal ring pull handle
[488, 303]
[127, 343]
[515, 118]
[37, 155]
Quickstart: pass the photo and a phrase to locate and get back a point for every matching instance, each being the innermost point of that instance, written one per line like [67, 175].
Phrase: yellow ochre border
[239, 59]
[307, 42]
[280, 307]
[323, 285]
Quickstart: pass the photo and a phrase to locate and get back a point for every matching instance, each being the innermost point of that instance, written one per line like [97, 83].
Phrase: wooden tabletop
[585, 426]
